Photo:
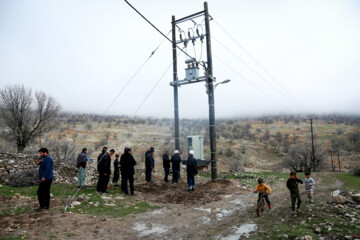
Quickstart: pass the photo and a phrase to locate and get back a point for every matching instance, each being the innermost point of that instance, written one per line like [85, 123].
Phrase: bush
[356, 171]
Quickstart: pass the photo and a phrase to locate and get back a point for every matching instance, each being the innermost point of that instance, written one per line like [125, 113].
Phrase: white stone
[307, 237]
[106, 198]
[335, 193]
[110, 204]
[76, 203]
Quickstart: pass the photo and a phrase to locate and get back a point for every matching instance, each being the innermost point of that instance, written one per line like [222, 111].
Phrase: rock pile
[22, 170]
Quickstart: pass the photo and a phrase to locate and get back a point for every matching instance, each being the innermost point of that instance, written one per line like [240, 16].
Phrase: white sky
[84, 52]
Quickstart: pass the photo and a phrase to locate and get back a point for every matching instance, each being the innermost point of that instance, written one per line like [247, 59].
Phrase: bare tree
[299, 158]
[63, 151]
[286, 143]
[27, 118]
[235, 164]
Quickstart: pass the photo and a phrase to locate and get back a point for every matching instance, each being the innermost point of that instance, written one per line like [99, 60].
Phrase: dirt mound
[206, 191]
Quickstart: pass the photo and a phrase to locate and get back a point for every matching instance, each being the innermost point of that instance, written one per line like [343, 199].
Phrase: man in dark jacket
[166, 165]
[81, 165]
[292, 185]
[103, 166]
[149, 164]
[45, 177]
[191, 168]
[116, 170]
[127, 163]
[176, 161]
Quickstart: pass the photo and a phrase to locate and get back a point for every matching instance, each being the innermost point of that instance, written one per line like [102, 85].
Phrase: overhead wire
[153, 88]
[162, 33]
[251, 83]
[257, 74]
[261, 66]
[129, 81]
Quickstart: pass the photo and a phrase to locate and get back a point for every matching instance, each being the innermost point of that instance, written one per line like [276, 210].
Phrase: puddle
[215, 213]
[243, 230]
[149, 228]
[237, 202]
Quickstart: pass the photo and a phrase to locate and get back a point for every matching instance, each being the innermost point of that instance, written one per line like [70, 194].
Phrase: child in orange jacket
[264, 190]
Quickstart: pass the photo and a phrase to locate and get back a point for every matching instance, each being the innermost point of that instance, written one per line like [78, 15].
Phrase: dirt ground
[222, 210]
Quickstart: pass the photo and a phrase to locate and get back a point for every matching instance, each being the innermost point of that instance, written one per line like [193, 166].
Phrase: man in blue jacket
[46, 177]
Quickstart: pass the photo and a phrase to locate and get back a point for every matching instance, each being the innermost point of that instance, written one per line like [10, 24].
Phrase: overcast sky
[84, 52]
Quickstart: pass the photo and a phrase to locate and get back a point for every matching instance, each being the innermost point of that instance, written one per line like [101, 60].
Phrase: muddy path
[222, 210]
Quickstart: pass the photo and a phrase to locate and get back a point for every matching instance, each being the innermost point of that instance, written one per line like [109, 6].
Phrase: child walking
[264, 190]
[309, 186]
[292, 185]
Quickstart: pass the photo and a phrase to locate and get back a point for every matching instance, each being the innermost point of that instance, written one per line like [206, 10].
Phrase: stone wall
[17, 169]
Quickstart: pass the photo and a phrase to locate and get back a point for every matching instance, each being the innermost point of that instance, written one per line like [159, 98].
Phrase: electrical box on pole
[196, 143]
[197, 22]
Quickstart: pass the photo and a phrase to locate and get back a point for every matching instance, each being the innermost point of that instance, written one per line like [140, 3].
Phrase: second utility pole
[210, 86]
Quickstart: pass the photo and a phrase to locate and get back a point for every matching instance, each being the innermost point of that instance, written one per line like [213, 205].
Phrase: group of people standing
[123, 165]
[191, 168]
[172, 163]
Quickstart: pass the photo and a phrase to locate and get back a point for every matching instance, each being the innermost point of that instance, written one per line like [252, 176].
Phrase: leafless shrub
[62, 151]
[235, 164]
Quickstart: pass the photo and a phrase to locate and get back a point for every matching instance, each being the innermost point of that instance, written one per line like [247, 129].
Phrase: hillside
[250, 144]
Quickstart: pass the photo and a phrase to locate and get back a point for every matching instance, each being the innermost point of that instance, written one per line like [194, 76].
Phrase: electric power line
[262, 67]
[163, 33]
[153, 88]
[128, 82]
[257, 74]
[251, 83]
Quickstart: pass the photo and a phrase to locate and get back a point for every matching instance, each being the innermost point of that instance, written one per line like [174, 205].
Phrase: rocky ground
[222, 210]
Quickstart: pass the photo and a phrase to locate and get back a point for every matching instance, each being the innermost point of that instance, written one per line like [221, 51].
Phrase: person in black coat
[127, 163]
[176, 161]
[166, 165]
[103, 166]
[149, 164]
[116, 170]
[191, 170]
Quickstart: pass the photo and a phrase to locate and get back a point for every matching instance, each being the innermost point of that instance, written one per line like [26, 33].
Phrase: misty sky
[84, 52]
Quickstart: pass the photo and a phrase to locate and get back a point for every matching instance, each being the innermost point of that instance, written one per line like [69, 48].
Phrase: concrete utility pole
[175, 78]
[193, 77]
[210, 85]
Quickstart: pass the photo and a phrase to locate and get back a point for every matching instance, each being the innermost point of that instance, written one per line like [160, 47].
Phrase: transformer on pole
[192, 76]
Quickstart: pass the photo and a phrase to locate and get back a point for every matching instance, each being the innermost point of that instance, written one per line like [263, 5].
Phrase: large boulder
[339, 199]
[356, 197]
[22, 179]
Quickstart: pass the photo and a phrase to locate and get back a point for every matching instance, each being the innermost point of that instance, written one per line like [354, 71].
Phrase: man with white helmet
[176, 161]
[191, 170]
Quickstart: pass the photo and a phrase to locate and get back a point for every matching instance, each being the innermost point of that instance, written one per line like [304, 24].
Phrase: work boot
[293, 213]
[298, 210]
